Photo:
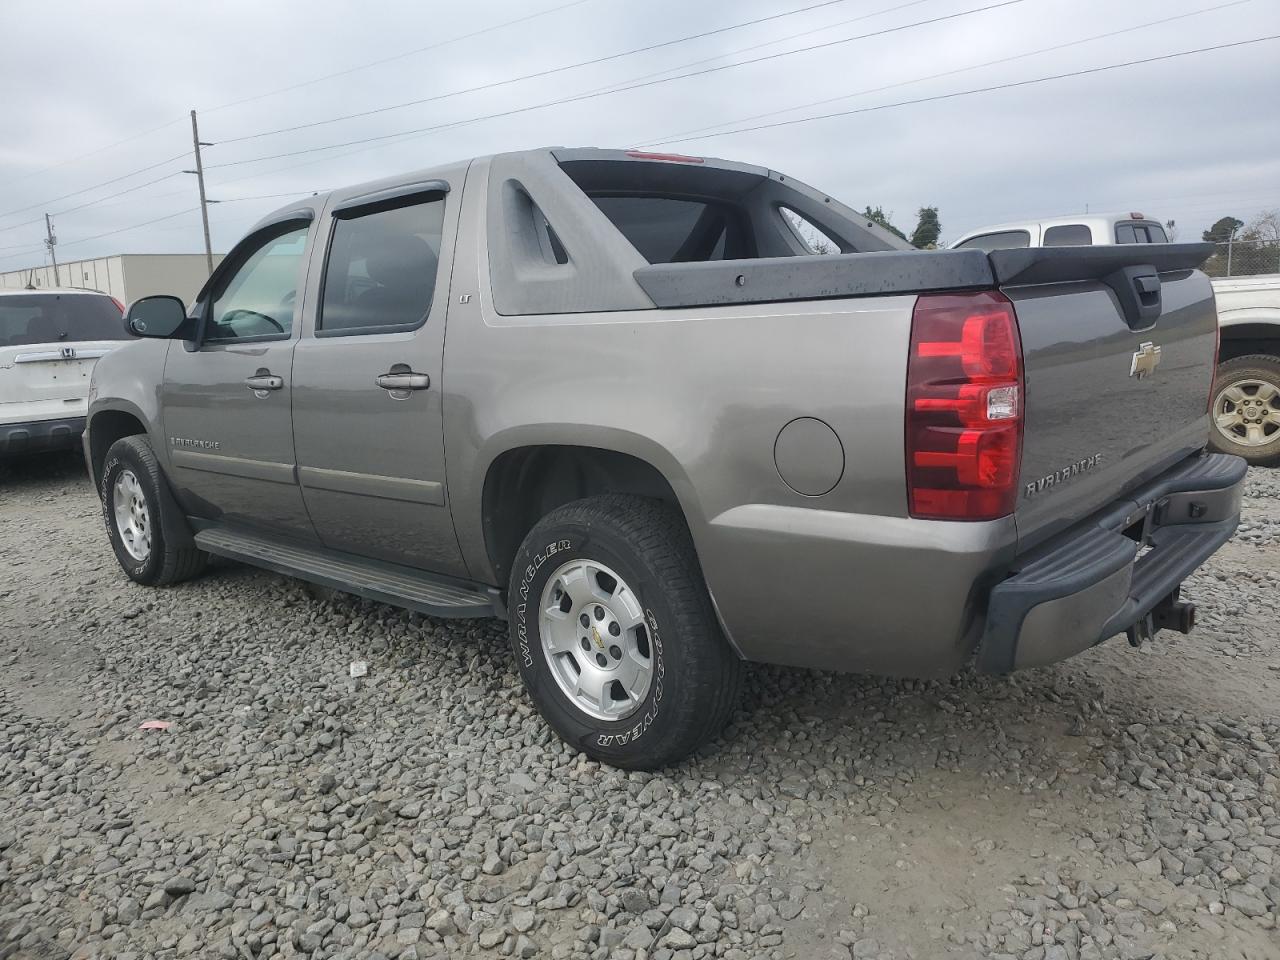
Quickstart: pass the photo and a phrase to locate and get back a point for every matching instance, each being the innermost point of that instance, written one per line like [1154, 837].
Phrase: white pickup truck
[1246, 399]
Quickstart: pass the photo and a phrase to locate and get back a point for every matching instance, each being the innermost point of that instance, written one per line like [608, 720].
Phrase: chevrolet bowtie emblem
[595, 635]
[1145, 360]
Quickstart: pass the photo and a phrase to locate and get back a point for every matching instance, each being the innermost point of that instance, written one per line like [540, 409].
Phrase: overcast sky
[1189, 139]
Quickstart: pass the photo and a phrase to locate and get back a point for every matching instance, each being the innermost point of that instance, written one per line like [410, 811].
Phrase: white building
[126, 276]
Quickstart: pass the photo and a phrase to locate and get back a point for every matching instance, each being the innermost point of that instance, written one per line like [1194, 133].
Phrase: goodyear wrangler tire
[148, 532]
[614, 632]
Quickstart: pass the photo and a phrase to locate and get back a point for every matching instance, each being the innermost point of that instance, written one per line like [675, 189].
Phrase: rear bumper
[40, 436]
[1090, 583]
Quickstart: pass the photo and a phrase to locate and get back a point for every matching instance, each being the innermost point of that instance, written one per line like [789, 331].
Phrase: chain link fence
[1244, 258]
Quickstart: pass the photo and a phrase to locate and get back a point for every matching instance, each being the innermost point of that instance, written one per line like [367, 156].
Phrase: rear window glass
[677, 230]
[1008, 240]
[58, 318]
[1068, 235]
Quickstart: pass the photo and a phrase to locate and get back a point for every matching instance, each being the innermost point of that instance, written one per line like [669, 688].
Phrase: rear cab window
[1005, 240]
[696, 212]
[59, 318]
[1141, 232]
[1068, 235]
[676, 230]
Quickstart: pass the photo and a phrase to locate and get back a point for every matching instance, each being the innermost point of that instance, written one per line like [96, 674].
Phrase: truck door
[226, 404]
[367, 402]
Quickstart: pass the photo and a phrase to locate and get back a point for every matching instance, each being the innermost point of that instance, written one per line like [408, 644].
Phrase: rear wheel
[148, 532]
[614, 632]
[1246, 409]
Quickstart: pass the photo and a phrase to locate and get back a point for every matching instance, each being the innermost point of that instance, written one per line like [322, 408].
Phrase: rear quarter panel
[702, 394]
[1245, 300]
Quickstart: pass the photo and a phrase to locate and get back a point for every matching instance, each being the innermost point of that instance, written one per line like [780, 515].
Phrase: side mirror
[160, 317]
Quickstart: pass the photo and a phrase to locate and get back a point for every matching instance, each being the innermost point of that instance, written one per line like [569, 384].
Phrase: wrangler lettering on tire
[614, 633]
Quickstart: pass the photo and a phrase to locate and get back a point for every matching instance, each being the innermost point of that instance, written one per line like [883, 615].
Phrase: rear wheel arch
[1254, 337]
[524, 484]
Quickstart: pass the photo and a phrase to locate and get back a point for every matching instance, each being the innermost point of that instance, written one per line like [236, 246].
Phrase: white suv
[49, 342]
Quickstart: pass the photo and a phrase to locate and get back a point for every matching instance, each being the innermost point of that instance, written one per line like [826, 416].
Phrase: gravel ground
[1124, 804]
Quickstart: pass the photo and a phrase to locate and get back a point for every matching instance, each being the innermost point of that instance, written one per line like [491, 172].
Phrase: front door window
[257, 300]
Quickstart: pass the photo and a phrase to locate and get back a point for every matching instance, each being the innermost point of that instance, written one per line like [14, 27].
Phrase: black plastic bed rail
[894, 272]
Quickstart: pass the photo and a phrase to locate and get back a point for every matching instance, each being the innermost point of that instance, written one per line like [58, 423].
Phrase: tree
[879, 216]
[1223, 230]
[1264, 228]
[928, 228]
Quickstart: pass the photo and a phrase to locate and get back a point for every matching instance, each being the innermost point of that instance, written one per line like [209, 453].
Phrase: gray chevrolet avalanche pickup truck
[617, 399]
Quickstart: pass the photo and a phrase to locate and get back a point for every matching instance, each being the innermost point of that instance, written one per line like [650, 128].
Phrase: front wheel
[1246, 409]
[148, 532]
[614, 632]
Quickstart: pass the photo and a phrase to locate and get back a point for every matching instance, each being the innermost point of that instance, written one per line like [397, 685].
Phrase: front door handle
[262, 381]
[401, 381]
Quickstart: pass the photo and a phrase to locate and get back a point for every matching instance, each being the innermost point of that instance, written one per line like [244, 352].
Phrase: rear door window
[1008, 240]
[381, 272]
[1068, 235]
[678, 230]
[59, 318]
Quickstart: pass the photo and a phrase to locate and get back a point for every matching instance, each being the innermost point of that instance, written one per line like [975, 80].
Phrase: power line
[92, 153]
[135, 226]
[767, 43]
[270, 196]
[493, 84]
[993, 87]
[935, 76]
[635, 86]
[25, 247]
[91, 203]
[112, 233]
[296, 86]
[398, 56]
[104, 183]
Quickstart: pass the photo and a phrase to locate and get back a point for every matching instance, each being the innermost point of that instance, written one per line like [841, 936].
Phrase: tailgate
[49, 371]
[1118, 345]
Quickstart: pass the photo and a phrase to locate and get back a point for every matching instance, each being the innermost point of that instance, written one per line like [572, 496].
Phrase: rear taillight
[964, 407]
[119, 305]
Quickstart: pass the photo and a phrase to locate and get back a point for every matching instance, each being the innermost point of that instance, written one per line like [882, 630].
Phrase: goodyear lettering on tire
[641, 726]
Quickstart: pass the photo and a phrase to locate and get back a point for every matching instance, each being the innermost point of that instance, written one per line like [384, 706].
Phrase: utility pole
[204, 203]
[51, 241]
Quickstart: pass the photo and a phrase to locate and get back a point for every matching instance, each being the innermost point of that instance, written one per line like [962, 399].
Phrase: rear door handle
[263, 381]
[398, 382]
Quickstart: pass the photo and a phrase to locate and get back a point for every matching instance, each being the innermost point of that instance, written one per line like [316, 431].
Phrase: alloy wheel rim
[133, 518]
[1248, 412]
[595, 640]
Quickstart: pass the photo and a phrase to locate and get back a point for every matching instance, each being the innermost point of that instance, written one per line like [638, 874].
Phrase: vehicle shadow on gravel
[41, 473]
